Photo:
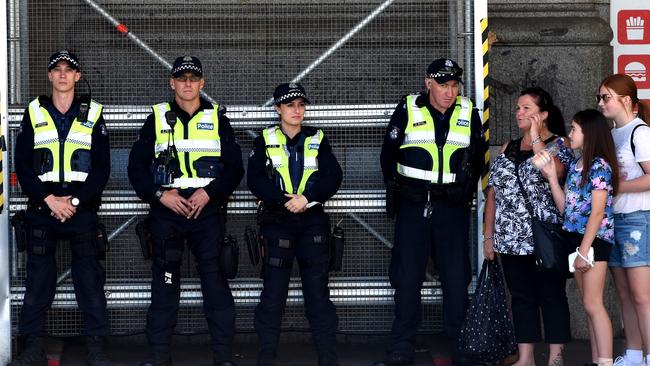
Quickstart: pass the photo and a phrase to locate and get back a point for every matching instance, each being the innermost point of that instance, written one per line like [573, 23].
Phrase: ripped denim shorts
[632, 247]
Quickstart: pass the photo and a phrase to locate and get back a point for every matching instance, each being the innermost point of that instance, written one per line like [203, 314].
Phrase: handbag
[487, 333]
[549, 240]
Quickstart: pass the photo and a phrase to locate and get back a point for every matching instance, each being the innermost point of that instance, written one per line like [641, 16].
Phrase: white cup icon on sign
[634, 26]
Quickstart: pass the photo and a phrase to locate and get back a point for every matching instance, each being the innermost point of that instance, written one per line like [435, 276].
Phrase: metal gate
[356, 59]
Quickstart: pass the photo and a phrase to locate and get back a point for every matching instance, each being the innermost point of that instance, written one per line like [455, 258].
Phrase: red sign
[634, 27]
[638, 67]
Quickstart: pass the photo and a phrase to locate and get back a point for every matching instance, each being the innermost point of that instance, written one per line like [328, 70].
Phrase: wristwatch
[74, 201]
[159, 193]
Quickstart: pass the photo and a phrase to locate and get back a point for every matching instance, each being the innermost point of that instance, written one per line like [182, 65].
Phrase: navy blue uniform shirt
[88, 192]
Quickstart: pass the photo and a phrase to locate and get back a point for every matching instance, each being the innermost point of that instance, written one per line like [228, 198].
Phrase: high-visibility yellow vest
[420, 133]
[276, 148]
[199, 139]
[63, 153]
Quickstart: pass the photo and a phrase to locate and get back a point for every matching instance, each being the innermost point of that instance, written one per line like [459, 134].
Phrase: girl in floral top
[586, 201]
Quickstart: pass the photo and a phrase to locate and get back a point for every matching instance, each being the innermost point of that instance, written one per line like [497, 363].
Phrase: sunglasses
[184, 78]
[606, 97]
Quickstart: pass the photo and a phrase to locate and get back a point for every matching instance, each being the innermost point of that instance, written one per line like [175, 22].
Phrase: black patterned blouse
[512, 228]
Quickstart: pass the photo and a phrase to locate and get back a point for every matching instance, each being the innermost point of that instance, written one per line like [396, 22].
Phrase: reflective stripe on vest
[46, 137]
[420, 133]
[276, 148]
[202, 140]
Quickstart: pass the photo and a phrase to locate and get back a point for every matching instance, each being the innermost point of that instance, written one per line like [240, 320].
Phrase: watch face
[75, 201]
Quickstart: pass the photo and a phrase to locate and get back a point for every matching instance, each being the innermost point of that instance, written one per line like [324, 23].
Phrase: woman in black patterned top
[508, 227]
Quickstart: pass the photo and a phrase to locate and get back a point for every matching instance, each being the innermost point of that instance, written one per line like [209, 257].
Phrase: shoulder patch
[394, 133]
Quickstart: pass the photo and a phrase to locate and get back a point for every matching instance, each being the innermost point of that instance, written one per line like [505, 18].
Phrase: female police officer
[292, 171]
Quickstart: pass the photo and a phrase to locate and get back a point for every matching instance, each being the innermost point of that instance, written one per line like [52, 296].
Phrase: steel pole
[338, 44]
[123, 29]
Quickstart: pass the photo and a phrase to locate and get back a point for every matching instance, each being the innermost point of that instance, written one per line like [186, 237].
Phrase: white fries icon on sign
[634, 27]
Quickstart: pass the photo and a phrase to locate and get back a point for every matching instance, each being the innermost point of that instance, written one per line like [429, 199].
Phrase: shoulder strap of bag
[632, 142]
[529, 207]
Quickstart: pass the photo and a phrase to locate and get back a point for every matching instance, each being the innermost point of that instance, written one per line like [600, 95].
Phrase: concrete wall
[564, 48]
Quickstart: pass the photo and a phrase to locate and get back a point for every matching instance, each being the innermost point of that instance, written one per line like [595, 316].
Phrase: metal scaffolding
[356, 59]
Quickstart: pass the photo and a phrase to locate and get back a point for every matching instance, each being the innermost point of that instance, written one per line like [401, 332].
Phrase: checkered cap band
[64, 57]
[290, 96]
[185, 68]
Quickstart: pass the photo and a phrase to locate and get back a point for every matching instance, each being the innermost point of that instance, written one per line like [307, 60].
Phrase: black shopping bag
[487, 333]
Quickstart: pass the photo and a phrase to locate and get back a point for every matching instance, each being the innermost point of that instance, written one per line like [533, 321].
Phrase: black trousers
[88, 273]
[444, 236]
[532, 291]
[204, 237]
[305, 238]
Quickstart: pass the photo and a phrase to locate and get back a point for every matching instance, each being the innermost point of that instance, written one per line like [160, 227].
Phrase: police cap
[443, 69]
[64, 55]
[285, 93]
[185, 64]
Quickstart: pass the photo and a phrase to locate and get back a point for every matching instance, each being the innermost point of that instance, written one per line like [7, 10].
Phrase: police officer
[185, 164]
[292, 171]
[62, 160]
[431, 159]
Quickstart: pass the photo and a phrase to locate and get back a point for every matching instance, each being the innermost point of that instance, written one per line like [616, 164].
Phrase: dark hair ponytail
[555, 119]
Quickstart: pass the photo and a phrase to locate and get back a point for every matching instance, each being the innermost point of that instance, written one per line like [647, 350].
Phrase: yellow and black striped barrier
[486, 100]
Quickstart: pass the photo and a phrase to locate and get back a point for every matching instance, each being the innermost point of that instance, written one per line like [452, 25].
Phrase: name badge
[205, 126]
[462, 123]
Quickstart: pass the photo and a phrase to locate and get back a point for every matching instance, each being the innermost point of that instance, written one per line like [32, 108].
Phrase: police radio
[166, 165]
[84, 106]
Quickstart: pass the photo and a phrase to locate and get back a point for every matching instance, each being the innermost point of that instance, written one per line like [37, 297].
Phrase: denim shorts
[632, 233]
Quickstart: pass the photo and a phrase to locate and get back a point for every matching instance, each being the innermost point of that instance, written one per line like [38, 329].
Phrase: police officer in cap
[62, 160]
[185, 164]
[292, 171]
[431, 158]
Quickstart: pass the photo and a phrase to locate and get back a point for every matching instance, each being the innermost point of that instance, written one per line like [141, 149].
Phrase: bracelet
[535, 141]
[591, 264]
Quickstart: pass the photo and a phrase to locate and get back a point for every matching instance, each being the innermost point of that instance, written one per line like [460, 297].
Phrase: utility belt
[39, 240]
[42, 207]
[257, 251]
[278, 214]
[457, 193]
[172, 249]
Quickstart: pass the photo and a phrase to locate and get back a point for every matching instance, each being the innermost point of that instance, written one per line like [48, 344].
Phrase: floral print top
[578, 199]
[512, 227]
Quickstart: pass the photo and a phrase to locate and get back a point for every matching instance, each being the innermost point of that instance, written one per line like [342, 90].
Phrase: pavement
[295, 351]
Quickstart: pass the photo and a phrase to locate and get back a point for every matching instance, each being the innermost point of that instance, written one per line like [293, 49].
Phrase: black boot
[158, 359]
[96, 353]
[223, 359]
[33, 354]
[328, 358]
[265, 358]
[396, 359]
